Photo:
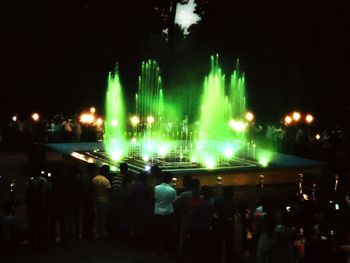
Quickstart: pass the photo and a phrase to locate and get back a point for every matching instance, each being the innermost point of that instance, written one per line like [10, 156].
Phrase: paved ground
[87, 251]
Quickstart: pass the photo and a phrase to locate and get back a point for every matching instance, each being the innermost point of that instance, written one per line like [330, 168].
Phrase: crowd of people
[58, 129]
[192, 222]
[329, 145]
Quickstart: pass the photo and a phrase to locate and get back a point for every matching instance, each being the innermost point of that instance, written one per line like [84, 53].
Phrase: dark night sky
[56, 54]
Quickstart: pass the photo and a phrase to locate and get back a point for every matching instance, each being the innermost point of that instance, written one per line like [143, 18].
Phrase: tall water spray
[156, 136]
[114, 136]
[221, 125]
[150, 110]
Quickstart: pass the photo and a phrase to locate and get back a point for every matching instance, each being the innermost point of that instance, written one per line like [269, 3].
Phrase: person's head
[123, 167]
[195, 184]
[207, 192]
[186, 181]
[104, 170]
[167, 176]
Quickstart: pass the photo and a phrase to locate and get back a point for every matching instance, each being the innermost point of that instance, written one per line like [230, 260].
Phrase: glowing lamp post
[135, 120]
[249, 116]
[87, 118]
[296, 116]
[309, 118]
[150, 119]
[35, 117]
[287, 120]
[99, 121]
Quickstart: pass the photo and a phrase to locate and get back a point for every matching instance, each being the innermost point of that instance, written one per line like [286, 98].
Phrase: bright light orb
[147, 168]
[99, 121]
[162, 150]
[14, 118]
[150, 119]
[309, 118]
[237, 125]
[287, 120]
[210, 164]
[228, 152]
[116, 155]
[35, 116]
[318, 136]
[114, 123]
[87, 118]
[249, 116]
[296, 116]
[264, 162]
[92, 110]
[145, 158]
[134, 120]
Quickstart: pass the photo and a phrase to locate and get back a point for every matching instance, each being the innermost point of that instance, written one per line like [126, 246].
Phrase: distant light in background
[318, 136]
[296, 116]
[14, 118]
[263, 162]
[185, 15]
[309, 118]
[134, 120]
[35, 117]
[92, 110]
[99, 121]
[228, 152]
[87, 118]
[150, 119]
[249, 116]
[287, 120]
[237, 125]
[147, 168]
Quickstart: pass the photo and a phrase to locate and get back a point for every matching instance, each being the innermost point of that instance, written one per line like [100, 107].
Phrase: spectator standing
[164, 195]
[102, 189]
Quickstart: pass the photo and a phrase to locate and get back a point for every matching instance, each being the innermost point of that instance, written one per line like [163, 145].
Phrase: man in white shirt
[164, 195]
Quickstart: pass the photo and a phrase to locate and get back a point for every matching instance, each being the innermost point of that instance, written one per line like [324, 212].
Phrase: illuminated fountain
[214, 145]
[216, 140]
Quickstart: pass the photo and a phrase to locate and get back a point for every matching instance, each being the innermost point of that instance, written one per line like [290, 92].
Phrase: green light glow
[159, 132]
[114, 136]
[263, 162]
[217, 109]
